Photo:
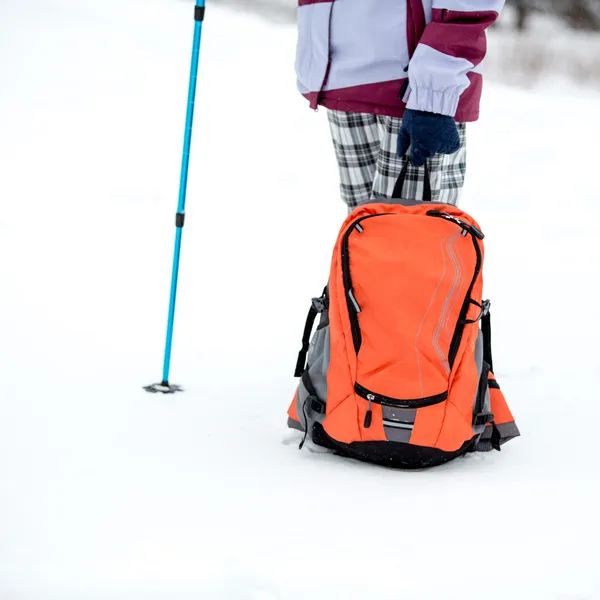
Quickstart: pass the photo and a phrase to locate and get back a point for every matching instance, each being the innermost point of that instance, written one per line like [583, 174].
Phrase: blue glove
[427, 134]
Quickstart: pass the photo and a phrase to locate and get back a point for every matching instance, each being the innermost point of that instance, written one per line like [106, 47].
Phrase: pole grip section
[179, 220]
[199, 13]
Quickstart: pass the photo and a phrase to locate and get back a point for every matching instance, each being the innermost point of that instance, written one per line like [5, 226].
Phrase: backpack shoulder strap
[317, 306]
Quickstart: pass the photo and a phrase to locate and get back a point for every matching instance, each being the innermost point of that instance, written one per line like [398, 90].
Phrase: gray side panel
[318, 365]
[318, 357]
[401, 415]
[293, 424]
[394, 434]
[398, 423]
[508, 431]
[479, 364]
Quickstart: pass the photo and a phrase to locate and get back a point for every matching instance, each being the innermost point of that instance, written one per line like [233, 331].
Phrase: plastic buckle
[483, 419]
[319, 304]
[485, 308]
[317, 405]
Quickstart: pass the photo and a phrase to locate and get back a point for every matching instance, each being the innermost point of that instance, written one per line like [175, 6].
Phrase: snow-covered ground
[107, 492]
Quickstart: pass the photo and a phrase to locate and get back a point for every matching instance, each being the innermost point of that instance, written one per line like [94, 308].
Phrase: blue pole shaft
[183, 181]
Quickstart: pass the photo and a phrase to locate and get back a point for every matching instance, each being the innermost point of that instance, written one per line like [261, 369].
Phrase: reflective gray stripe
[449, 298]
[293, 424]
[397, 424]
[359, 228]
[353, 300]
[401, 415]
[394, 434]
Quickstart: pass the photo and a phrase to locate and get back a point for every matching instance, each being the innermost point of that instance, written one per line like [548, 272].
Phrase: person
[396, 77]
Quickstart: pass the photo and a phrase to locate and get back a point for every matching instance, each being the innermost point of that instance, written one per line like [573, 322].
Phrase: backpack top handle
[397, 193]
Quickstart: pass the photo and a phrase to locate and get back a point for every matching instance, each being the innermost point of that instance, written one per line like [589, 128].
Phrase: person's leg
[356, 143]
[447, 171]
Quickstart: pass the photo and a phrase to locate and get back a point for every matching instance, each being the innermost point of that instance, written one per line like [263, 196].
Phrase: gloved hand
[427, 134]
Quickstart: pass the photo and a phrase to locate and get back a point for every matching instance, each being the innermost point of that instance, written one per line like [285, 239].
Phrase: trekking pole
[164, 386]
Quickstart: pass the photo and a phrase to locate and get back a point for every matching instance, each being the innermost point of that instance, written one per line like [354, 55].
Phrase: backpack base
[395, 455]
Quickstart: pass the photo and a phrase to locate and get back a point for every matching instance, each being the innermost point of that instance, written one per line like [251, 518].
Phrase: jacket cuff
[428, 100]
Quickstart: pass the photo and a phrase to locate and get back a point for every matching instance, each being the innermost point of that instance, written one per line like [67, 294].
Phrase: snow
[108, 492]
[547, 50]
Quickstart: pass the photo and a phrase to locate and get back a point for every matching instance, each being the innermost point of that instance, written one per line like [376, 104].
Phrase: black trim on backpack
[496, 438]
[465, 225]
[486, 331]
[312, 401]
[480, 417]
[395, 455]
[397, 402]
[462, 318]
[484, 310]
[353, 308]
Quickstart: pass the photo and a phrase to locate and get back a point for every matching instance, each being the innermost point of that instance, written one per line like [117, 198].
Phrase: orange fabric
[502, 413]
[410, 275]
[292, 413]
[431, 290]
[458, 427]
[388, 361]
[428, 425]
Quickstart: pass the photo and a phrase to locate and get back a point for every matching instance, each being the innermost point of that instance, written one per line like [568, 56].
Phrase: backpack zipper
[363, 392]
[354, 307]
[352, 304]
[476, 234]
[372, 397]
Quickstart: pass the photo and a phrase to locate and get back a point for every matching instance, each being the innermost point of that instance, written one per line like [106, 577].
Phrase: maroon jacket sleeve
[452, 46]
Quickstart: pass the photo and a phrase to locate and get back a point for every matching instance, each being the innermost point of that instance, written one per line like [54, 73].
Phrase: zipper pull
[466, 227]
[369, 415]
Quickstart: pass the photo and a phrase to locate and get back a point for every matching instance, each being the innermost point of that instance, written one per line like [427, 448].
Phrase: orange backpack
[399, 371]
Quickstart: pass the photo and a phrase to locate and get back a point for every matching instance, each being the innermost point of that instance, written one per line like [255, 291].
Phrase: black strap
[312, 401]
[305, 425]
[487, 418]
[480, 417]
[397, 193]
[484, 308]
[317, 306]
[308, 384]
[310, 321]
[427, 195]
[486, 331]
[496, 439]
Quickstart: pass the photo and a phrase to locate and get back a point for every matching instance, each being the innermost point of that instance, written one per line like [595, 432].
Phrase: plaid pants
[365, 147]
